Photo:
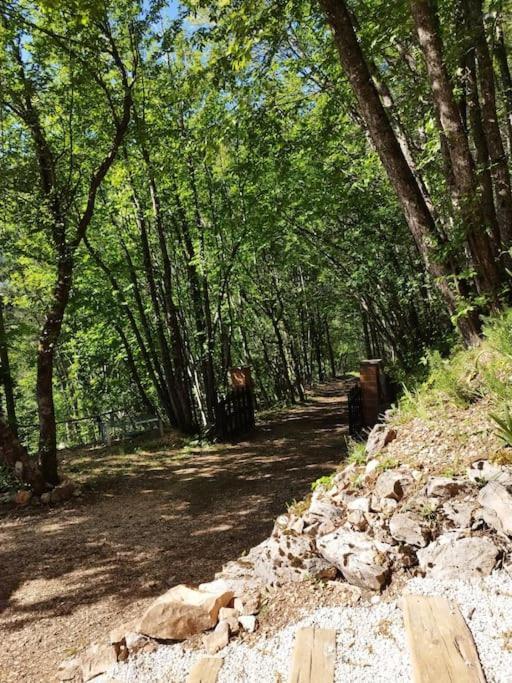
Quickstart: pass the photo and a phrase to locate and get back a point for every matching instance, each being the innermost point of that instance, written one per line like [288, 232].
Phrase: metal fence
[355, 418]
[235, 413]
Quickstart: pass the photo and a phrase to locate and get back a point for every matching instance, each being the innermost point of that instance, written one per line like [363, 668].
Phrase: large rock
[361, 560]
[443, 487]
[182, 612]
[460, 512]
[408, 527]
[495, 498]
[62, 492]
[453, 557]
[289, 557]
[380, 436]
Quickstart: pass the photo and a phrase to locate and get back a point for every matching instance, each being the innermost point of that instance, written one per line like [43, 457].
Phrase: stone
[371, 466]
[361, 503]
[358, 520]
[325, 510]
[248, 622]
[46, 498]
[408, 528]
[96, 660]
[453, 557]
[248, 604]
[483, 470]
[182, 612]
[443, 487]
[23, 497]
[459, 512]
[70, 670]
[389, 485]
[495, 498]
[218, 639]
[62, 492]
[380, 436]
[289, 557]
[357, 557]
[230, 616]
[18, 469]
[136, 642]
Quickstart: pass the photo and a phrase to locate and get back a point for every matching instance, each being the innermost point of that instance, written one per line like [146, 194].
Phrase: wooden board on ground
[442, 647]
[314, 656]
[205, 670]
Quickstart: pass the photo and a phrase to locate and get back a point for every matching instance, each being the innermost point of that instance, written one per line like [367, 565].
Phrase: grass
[465, 377]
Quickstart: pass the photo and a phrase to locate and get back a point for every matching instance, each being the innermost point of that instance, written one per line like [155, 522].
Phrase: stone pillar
[373, 390]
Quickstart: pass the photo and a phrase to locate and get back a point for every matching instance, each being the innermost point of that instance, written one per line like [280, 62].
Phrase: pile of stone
[181, 613]
[58, 494]
[382, 519]
[374, 522]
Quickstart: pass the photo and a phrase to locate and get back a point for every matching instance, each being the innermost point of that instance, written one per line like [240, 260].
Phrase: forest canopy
[286, 185]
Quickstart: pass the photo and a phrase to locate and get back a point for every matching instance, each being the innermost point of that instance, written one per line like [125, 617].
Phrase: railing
[235, 414]
[102, 428]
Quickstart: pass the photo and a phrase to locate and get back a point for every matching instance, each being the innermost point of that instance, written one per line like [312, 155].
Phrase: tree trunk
[45, 358]
[499, 166]
[500, 52]
[469, 208]
[12, 453]
[419, 219]
[5, 375]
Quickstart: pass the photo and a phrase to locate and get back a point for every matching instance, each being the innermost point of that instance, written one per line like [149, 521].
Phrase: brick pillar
[372, 390]
[240, 378]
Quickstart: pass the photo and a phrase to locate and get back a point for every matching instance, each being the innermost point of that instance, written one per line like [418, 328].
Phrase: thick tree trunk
[419, 219]
[469, 208]
[499, 166]
[5, 374]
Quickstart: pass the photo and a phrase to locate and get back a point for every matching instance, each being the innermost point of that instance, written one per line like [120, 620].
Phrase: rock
[361, 503]
[230, 616]
[389, 485]
[289, 557]
[357, 557]
[70, 670]
[494, 497]
[97, 659]
[248, 604]
[358, 520]
[407, 527]
[380, 436]
[218, 639]
[18, 469]
[453, 557]
[460, 512]
[46, 498]
[371, 466]
[443, 487]
[325, 510]
[483, 470]
[249, 623]
[182, 612]
[62, 492]
[23, 497]
[136, 642]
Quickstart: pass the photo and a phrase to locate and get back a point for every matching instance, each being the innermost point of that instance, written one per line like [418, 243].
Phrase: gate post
[373, 390]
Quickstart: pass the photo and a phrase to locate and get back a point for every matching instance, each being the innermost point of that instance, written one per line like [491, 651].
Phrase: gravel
[371, 645]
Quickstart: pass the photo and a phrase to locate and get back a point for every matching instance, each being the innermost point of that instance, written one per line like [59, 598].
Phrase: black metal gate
[235, 413]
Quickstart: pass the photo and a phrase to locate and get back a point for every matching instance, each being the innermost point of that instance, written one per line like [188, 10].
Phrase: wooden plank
[314, 656]
[442, 647]
[205, 670]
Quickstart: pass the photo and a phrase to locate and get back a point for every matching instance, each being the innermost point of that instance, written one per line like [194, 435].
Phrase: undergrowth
[465, 377]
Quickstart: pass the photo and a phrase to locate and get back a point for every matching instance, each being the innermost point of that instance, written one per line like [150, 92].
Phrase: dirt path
[149, 519]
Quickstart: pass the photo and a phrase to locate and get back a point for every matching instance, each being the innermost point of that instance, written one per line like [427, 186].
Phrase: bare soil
[149, 518]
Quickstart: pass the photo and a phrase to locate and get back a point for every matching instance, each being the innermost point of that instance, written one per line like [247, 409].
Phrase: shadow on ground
[149, 520]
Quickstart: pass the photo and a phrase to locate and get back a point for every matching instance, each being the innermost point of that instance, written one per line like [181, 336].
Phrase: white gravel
[371, 645]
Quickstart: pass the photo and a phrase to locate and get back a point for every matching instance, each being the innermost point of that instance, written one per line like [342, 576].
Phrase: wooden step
[314, 656]
[205, 670]
[441, 645]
